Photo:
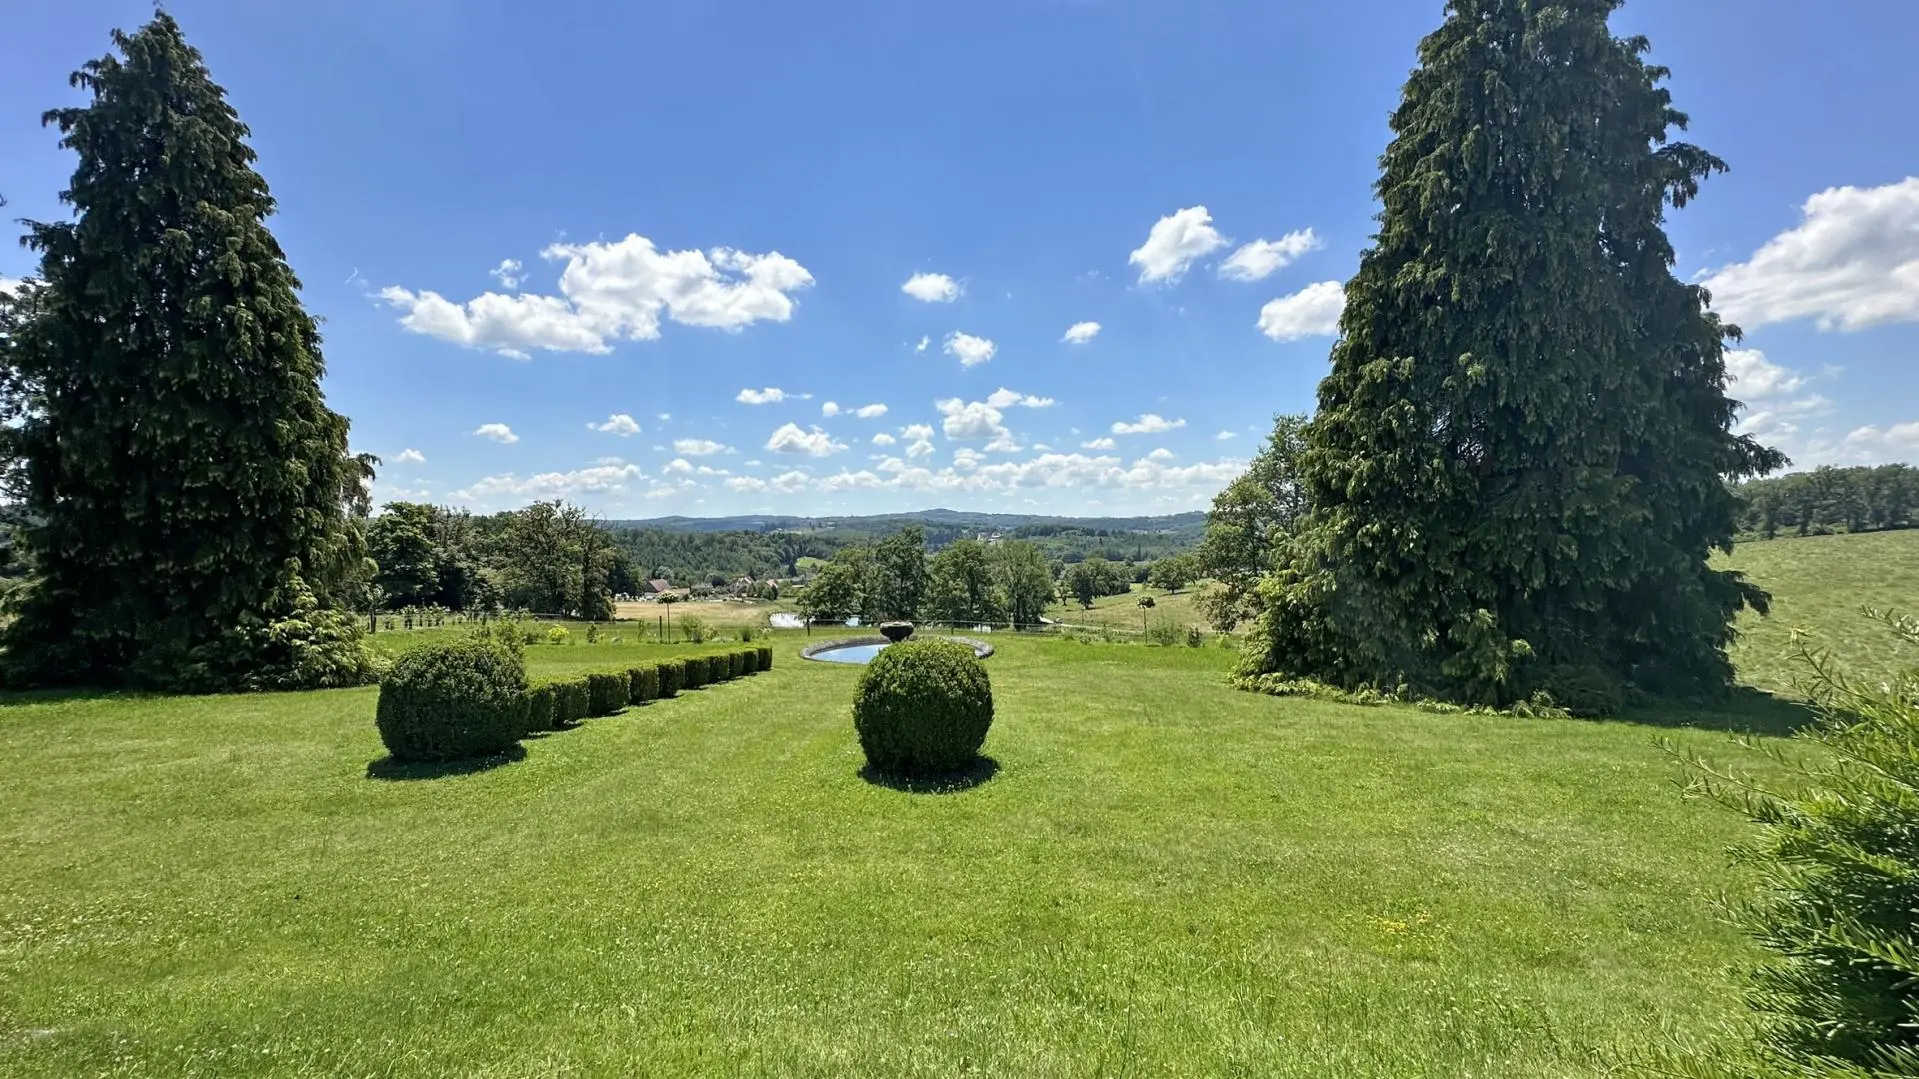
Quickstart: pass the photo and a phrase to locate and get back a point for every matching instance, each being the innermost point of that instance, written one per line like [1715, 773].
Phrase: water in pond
[852, 653]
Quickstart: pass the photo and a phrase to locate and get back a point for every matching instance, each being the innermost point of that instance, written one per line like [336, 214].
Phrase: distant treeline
[1830, 499]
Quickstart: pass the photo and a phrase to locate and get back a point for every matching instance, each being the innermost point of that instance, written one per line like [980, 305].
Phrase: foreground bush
[750, 661]
[451, 700]
[696, 672]
[606, 693]
[737, 661]
[766, 657]
[572, 702]
[923, 708]
[672, 678]
[642, 684]
[1838, 854]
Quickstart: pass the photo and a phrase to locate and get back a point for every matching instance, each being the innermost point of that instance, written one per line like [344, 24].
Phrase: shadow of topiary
[982, 769]
[389, 769]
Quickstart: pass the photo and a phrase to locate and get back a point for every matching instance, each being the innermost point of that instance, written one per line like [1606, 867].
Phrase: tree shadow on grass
[974, 774]
[1745, 711]
[390, 769]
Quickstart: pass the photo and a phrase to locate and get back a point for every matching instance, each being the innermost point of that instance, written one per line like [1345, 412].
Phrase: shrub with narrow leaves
[923, 708]
[606, 693]
[451, 700]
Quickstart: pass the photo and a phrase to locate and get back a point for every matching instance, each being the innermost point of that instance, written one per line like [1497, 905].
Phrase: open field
[1819, 583]
[1123, 612]
[1164, 877]
[729, 613]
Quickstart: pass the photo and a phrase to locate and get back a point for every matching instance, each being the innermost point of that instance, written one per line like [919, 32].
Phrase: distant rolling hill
[943, 519]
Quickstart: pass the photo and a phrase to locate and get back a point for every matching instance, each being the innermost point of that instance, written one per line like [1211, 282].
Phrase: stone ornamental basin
[861, 650]
[896, 631]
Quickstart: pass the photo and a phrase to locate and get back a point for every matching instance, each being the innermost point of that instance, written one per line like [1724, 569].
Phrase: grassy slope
[1166, 878]
[1122, 612]
[1819, 583]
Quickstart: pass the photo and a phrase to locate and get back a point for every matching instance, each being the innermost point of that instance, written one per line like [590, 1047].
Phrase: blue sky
[534, 228]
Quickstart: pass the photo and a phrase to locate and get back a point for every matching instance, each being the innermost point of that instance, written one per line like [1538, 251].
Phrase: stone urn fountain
[896, 631]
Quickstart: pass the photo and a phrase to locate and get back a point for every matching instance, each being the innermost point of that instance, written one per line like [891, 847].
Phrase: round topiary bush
[451, 700]
[923, 708]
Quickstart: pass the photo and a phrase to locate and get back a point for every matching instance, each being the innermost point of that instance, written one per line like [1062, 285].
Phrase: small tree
[1173, 572]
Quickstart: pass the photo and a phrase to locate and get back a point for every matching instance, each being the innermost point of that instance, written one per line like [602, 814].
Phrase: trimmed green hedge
[451, 700]
[695, 672]
[672, 678]
[750, 659]
[540, 701]
[572, 700]
[606, 693]
[766, 657]
[642, 684]
[737, 663]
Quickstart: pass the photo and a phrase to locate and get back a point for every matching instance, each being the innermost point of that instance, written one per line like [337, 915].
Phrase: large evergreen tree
[1518, 466]
[191, 504]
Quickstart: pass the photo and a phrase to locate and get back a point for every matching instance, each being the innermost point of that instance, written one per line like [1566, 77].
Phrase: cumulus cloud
[830, 408]
[1261, 259]
[699, 447]
[618, 424]
[971, 351]
[746, 483]
[1148, 424]
[815, 443]
[1899, 441]
[870, 412]
[1175, 243]
[498, 432]
[1005, 398]
[922, 447]
[612, 291]
[508, 273]
[968, 420]
[925, 343]
[1225, 436]
[790, 482]
[1311, 312]
[1080, 332]
[678, 466]
[410, 457]
[1754, 377]
[975, 473]
[884, 439]
[595, 480]
[1100, 443]
[1851, 263]
[771, 395]
[931, 287]
[916, 431]
[1162, 454]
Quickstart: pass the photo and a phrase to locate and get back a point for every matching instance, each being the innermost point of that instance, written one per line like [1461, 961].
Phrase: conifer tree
[191, 503]
[1518, 466]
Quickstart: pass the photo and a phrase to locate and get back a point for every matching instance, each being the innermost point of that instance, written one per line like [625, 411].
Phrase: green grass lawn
[1164, 878]
[1123, 612]
[1819, 583]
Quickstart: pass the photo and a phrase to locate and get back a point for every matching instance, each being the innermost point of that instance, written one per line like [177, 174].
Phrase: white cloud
[1005, 398]
[920, 448]
[931, 287]
[1901, 440]
[1851, 263]
[870, 412]
[850, 481]
[746, 483]
[498, 432]
[508, 273]
[699, 447]
[971, 351]
[1311, 312]
[1755, 377]
[618, 424]
[1261, 259]
[1148, 424]
[1081, 332]
[1225, 436]
[816, 443]
[9, 285]
[917, 431]
[925, 342]
[884, 439]
[410, 457]
[597, 479]
[613, 291]
[772, 395]
[1175, 243]
[966, 420]
[665, 416]
[790, 482]
[830, 408]
[678, 466]
[1161, 454]
[1101, 443]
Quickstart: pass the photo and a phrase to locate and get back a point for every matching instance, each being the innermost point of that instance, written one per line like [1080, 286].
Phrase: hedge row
[564, 703]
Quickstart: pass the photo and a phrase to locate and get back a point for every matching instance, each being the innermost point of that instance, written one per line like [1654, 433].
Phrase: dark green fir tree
[1519, 465]
[191, 506]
